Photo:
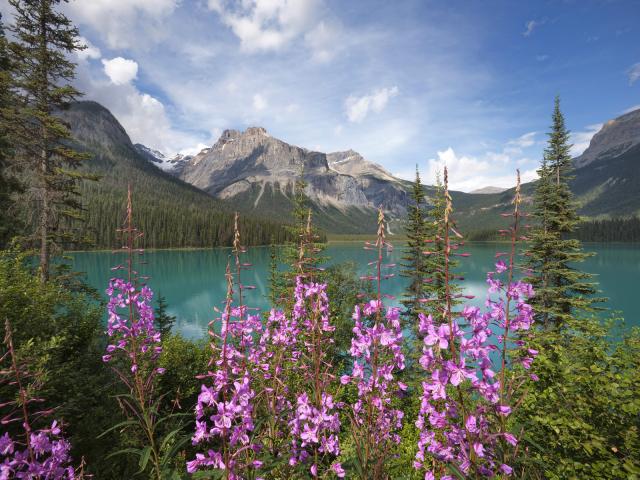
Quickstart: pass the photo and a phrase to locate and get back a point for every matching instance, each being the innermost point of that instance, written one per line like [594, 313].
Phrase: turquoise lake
[193, 281]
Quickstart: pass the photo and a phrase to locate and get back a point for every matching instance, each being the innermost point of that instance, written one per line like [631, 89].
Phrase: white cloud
[259, 102]
[542, 58]
[123, 23]
[467, 173]
[582, 139]
[263, 25]
[325, 40]
[91, 52]
[523, 141]
[634, 73]
[357, 108]
[120, 70]
[530, 26]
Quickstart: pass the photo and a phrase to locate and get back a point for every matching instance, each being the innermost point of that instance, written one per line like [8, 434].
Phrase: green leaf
[144, 459]
[118, 425]
[455, 471]
[124, 451]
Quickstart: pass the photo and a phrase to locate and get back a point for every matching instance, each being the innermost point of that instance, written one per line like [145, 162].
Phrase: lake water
[193, 281]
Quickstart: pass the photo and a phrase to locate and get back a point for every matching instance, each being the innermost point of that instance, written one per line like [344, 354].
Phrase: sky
[466, 84]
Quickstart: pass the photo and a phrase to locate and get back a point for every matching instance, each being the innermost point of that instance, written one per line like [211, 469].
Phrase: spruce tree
[45, 39]
[8, 183]
[562, 290]
[301, 253]
[414, 262]
[164, 321]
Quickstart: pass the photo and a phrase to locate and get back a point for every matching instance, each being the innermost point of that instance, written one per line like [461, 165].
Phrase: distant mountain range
[170, 212]
[255, 173]
[485, 190]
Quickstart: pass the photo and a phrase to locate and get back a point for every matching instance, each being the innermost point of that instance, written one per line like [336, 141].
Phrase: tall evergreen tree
[45, 38]
[164, 321]
[561, 289]
[432, 252]
[414, 262]
[301, 254]
[7, 105]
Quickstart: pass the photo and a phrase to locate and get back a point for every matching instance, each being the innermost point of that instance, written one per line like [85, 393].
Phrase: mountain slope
[171, 212]
[257, 173]
[606, 181]
[616, 137]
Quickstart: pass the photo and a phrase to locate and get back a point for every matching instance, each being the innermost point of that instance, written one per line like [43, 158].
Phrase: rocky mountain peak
[257, 131]
[351, 162]
[614, 138]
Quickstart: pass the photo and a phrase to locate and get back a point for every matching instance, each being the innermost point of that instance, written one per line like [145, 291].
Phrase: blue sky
[466, 83]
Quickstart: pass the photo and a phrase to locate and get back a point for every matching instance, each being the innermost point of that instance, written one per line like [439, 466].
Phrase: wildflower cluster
[46, 455]
[224, 411]
[38, 453]
[133, 333]
[315, 422]
[135, 342]
[130, 325]
[225, 408]
[376, 350]
[465, 400]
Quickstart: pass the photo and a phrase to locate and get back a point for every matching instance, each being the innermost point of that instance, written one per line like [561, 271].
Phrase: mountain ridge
[172, 213]
[256, 173]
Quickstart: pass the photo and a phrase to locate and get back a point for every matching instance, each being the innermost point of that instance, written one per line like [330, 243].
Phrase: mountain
[172, 213]
[606, 182]
[257, 173]
[616, 137]
[171, 164]
[607, 175]
[486, 190]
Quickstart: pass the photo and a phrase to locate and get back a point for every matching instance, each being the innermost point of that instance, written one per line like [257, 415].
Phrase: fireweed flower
[464, 394]
[376, 349]
[315, 423]
[225, 409]
[47, 456]
[38, 453]
[376, 352]
[130, 326]
[134, 344]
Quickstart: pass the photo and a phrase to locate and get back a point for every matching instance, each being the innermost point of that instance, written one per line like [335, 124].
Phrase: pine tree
[301, 254]
[435, 244]
[8, 184]
[414, 262]
[45, 38]
[561, 289]
[164, 321]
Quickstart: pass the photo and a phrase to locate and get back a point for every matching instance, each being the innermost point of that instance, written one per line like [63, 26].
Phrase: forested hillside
[169, 211]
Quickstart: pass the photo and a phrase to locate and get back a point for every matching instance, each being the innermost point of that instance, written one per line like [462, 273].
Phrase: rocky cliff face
[242, 166]
[616, 137]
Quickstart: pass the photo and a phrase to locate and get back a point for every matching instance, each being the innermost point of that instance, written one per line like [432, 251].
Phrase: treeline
[609, 230]
[170, 225]
[606, 230]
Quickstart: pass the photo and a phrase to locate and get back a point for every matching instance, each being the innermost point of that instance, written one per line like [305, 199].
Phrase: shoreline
[331, 241]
